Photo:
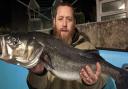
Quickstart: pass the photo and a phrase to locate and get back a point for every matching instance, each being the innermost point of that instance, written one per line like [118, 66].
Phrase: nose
[65, 23]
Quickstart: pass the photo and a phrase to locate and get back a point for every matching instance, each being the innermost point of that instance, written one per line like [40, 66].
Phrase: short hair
[62, 4]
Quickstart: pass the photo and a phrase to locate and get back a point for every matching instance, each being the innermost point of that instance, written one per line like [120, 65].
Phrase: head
[64, 22]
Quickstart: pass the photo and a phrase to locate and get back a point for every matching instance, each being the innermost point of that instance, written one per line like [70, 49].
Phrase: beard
[65, 36]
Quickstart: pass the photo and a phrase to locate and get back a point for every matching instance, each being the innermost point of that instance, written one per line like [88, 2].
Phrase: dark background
[14, 15]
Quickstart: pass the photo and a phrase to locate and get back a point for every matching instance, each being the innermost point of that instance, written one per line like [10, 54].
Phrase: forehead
[65, 11]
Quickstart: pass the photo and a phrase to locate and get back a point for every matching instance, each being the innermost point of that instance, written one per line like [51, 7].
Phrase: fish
[65, 61]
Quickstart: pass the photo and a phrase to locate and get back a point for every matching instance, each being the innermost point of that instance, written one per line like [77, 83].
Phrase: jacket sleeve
[20, 50]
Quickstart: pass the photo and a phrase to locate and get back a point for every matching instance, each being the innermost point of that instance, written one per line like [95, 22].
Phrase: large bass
[59, 58]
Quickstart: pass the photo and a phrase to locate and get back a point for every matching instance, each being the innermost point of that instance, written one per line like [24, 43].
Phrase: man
[64, 29]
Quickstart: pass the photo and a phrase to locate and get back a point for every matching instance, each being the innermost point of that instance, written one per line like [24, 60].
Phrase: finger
[98, 69]
[87, 80]
[84, 76]
[90, 72]
[84, 73]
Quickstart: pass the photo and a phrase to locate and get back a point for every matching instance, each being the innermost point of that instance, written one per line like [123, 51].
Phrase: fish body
[66, 62]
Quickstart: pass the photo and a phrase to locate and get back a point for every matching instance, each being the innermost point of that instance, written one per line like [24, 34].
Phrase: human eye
[69, 19]
[60, 18]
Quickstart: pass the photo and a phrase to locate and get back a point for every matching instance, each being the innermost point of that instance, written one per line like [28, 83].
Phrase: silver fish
[66, 62]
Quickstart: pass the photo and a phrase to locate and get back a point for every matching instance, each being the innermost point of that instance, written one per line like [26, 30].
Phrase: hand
[38, 69]
[88, 76]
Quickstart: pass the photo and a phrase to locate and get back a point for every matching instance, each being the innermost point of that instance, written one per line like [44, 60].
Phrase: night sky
[9, 9]
[12, 10]
[5, 12]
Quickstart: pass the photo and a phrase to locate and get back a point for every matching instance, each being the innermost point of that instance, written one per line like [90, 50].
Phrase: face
[64, 23]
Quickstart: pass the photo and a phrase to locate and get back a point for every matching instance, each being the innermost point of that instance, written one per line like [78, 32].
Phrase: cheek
[71, 27]
[57, 29]
[58, 25]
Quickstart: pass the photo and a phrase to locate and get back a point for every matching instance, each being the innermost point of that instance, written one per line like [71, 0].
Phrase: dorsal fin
[91, 54]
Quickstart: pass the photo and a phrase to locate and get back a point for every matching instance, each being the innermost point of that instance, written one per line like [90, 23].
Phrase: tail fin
[120, 75]
[122, 83]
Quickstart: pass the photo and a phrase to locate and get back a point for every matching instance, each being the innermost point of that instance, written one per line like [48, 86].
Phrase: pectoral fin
[47, 62]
